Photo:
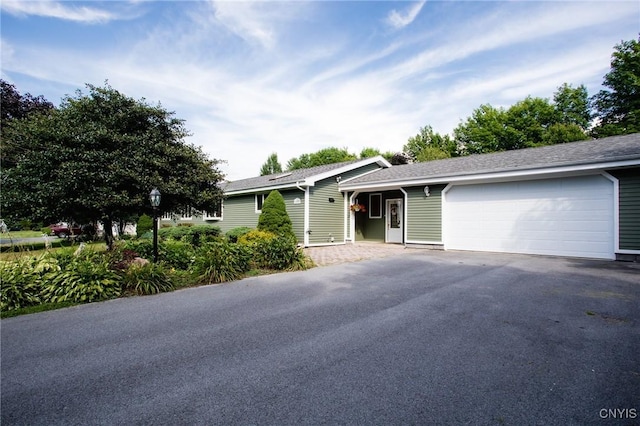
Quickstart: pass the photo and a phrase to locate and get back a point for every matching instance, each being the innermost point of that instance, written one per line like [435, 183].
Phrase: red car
[63, 230]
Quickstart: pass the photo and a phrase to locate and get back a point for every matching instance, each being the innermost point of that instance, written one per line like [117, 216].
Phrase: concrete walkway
[330, 255]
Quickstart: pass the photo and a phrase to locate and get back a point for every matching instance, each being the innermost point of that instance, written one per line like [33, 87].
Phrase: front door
[394, 221]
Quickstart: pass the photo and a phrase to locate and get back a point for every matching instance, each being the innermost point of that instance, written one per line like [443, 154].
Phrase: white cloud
[399, 20]
[308, 90]
[54, 9]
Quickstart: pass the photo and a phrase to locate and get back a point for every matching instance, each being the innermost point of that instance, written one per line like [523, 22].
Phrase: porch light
[154, 199]
[427, 191]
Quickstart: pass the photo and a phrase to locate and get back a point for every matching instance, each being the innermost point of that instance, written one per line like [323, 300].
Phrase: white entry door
[394, 221]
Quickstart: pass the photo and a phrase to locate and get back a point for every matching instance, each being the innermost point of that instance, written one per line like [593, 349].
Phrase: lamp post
[154, 198]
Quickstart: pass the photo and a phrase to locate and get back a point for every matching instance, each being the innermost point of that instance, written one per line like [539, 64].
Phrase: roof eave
[488, 176]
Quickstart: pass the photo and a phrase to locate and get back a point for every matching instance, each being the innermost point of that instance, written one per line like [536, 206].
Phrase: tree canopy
[271, 166]
[528, 123]
[618, 107]
[324, 156]
[428, 145]
[16, 106]
[97, 157]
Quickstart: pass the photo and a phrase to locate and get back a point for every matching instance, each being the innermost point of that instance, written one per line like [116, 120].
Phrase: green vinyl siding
[239, 211]
[295, 210]
[629, 205]
[424, 214]
[327, 219]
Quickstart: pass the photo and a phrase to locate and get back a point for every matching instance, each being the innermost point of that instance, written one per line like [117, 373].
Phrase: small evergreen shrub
[274, 217]
[144, 225]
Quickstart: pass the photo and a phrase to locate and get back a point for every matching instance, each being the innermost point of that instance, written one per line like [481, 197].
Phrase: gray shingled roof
[284, 178]
[615, 148]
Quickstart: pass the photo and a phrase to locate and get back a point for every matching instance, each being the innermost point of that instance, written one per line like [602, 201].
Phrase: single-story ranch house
[579, 199]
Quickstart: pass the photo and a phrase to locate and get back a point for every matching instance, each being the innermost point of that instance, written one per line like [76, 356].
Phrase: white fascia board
[292, 185]
[493, 177]
[379, 160]
[356, 177]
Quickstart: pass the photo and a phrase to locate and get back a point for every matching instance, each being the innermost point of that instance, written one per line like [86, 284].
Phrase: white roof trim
[311, 181]
[493, 176]
[291, 185]
[378, 159]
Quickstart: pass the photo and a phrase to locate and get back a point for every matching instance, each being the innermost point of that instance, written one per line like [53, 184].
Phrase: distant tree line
[570, 116]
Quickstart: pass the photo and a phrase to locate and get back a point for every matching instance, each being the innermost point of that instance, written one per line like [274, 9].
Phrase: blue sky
[253, 78]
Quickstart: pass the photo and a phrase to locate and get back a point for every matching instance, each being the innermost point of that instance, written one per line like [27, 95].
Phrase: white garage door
[567, 217]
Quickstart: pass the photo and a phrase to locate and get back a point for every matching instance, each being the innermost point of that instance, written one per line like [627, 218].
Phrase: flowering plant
[358, 208]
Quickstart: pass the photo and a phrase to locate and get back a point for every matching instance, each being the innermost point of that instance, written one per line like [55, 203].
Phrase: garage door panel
[569, 216]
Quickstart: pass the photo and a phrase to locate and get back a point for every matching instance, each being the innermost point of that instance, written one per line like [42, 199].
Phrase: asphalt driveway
[424, 337]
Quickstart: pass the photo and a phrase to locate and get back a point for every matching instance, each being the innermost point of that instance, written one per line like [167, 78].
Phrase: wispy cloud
[255, 21]
[252, 78]
[58, 10]
[401, 19]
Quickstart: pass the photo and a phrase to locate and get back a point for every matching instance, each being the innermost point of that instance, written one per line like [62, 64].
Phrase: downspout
[306, 214]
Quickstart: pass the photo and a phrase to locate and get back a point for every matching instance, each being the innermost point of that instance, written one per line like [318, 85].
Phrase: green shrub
[147, 279]
[84, 280]
[171, 253]
[280, 253]
[46, 230]
[193, 234]
[145, 224]
[25, 224]
[220, 261]
[176, 254]
[274, 217]
[174, 232]
[22, 280]
[256, 236]
[235, 233]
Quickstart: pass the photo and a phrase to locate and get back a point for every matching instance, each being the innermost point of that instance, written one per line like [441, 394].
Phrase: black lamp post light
[154, 198]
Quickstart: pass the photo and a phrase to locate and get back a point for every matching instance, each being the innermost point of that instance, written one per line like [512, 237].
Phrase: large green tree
[428, 145]
[16, 106]
[271, 166]
[324, 156]
[97, 157]
[530, 122]
[618, 107]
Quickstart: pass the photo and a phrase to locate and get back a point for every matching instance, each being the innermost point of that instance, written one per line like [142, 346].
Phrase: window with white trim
[215, 214]
[259, 202]
[187, 213]
[375, 206]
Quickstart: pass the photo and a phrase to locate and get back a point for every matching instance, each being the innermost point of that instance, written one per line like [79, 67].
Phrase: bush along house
[580, 199]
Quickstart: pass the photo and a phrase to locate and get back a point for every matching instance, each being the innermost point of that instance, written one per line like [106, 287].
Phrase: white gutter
[493, 176]
[305, 227]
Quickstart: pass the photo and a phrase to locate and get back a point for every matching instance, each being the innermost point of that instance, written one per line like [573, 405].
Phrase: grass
[20, 234]
[34, 309]
[16, 251]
